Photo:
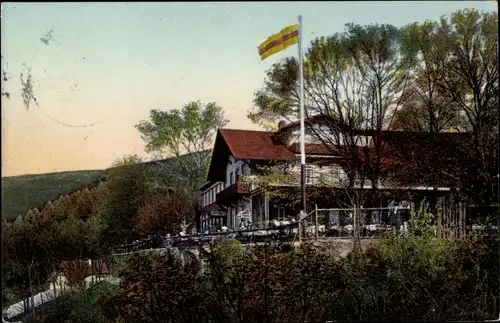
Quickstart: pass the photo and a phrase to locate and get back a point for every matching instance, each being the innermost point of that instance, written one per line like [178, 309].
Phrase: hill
[21, 193]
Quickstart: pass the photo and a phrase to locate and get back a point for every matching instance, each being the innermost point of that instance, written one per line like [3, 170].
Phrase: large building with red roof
[235, 195]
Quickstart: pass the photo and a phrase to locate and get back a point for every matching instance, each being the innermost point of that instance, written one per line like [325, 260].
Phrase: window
[231, 178]
[245, 170]
[309, 174]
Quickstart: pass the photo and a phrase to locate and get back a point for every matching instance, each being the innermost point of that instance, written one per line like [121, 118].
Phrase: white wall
[320, 174]
[294, 137]
[235, 166]
[209, 194]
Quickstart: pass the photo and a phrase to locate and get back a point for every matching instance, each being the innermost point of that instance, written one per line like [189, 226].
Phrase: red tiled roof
[312, 120]
[311, 149]
[255, 145]
[400, 148]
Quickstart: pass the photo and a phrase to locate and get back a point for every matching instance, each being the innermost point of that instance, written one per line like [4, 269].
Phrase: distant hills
[22, 193]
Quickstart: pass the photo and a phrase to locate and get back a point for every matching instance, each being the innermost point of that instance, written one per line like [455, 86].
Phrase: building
[237, 192]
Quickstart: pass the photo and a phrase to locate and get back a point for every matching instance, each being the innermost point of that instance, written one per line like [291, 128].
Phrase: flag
[287, 37]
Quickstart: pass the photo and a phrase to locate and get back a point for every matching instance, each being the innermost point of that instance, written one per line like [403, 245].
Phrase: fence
[457, 219]
[450, 220]
[284, 233]
[350, 222]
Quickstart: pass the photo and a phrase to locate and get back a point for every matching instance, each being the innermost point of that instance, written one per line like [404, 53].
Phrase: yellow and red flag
[287, 37]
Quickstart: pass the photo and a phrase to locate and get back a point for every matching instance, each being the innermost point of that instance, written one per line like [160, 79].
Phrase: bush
[409, 278]
[89, 306]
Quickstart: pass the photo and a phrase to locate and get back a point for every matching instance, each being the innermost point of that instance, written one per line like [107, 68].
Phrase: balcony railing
[249, 183]
[313, 178]
[241, 187]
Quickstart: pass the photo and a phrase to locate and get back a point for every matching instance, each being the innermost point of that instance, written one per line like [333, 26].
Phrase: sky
[108, 64]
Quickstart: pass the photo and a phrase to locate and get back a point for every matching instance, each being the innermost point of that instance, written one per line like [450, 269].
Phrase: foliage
[159, 288]
[426, 77]
[33, 245]
[87, 223]
[165, 213]
[24, 260]
[127, 160]
[21, 193]
[127, 189]
[5, 78]
[117, 266]
[398, 279]
[455, 86]
[187, 131]
[404, 278]
[83, 306]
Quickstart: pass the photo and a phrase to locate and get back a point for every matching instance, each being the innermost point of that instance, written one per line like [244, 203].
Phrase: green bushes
[398, 279]
[89, 306]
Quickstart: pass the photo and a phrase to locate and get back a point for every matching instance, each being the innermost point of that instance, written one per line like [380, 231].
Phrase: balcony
[293, 180]
[230, 194]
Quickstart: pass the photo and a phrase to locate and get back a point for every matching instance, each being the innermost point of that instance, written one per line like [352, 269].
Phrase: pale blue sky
[114, 62]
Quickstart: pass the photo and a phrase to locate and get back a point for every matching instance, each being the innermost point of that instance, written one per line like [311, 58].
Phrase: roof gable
[244, 144]
[254, 145]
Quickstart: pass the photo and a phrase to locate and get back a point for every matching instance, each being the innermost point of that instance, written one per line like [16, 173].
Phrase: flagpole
[302, 123]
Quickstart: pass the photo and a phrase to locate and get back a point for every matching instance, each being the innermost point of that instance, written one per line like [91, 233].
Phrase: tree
[427, 77]
[159, 288]
[454, 85]
[472, 81]
[126, 189]
[425, 107]
[185, 134]
[127, 160]
[84, 202]
[354, 82]
[72, 237]
[25, 260]
[165, 213]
